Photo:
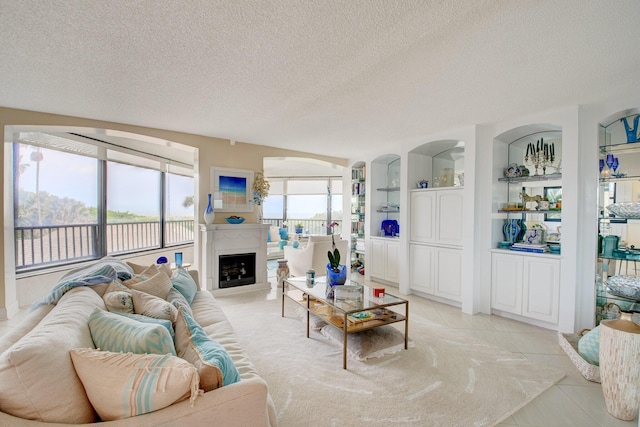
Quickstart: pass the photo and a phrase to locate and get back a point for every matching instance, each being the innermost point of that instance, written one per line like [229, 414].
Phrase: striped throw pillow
[112, 332]
[123, 385]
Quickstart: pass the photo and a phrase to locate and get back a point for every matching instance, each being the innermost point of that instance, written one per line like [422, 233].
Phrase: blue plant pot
[335, 279]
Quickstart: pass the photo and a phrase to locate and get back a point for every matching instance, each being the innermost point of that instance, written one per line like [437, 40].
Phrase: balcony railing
[309, 226]
[42, 246]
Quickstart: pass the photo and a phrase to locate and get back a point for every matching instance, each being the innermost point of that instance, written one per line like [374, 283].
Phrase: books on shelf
[523, 247]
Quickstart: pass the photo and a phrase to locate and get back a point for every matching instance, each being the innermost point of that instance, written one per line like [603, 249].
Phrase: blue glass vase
[335, 278]
[632, 132]
[511, 230]
[209, 215]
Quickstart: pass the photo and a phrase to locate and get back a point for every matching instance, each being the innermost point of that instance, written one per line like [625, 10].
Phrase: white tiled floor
[573, 401]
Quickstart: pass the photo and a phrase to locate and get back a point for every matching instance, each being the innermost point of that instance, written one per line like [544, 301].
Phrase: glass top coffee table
[351, 314]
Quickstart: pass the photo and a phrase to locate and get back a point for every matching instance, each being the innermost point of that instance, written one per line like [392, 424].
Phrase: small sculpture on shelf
[526, 198]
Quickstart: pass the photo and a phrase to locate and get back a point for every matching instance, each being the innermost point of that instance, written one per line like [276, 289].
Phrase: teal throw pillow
[116, 333]
[211, 351]
[589, 346]
[184, 283]
[295, 244]
[146, 319]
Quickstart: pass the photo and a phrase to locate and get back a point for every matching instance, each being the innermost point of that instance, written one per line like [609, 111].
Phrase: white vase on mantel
[209, 214]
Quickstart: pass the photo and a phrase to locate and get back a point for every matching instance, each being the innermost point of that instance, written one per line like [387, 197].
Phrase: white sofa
[57, 392]
[314, 255]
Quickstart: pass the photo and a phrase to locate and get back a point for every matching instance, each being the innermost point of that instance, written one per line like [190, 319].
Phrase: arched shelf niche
[435, 160]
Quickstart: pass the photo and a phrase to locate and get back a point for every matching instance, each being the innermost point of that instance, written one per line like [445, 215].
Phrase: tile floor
[573, 401]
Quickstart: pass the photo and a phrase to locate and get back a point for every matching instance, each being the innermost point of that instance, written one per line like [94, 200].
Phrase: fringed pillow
[123, 385]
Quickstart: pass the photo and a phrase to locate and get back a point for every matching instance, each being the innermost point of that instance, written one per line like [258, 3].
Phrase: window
[312, 202]
[55, 213]
[179, 220]
[133, 208]
[75, 200]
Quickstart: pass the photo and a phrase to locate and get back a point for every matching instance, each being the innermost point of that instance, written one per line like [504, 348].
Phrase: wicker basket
[569, 343]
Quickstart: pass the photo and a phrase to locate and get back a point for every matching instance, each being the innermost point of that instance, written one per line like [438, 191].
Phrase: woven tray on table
[569, 343]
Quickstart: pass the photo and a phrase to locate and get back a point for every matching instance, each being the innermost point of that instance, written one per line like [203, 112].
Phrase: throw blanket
[103, 271]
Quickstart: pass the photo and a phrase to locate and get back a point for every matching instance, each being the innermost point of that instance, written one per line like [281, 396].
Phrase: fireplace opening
[236, 270]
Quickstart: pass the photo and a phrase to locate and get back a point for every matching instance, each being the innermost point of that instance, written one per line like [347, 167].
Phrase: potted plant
[336, 272]
[299, 228]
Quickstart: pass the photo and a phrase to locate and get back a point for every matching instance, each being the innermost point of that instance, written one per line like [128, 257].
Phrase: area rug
[447, 379]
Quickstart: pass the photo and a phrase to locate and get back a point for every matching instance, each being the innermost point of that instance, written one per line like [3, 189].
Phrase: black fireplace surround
[236, 270]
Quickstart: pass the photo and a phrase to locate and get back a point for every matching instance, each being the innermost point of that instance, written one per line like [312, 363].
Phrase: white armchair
[314, 255]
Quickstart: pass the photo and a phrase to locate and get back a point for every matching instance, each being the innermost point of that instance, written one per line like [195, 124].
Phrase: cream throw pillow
[122, 385]
[37, 378]
[144, 270]
[158, 285]
[152, 306]
[119, 301]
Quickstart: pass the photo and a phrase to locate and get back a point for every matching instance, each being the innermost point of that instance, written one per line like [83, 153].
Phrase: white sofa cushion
[122, 385]
[38, 368]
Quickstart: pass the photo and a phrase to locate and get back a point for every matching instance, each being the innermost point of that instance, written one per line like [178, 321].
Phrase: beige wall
[211, 152]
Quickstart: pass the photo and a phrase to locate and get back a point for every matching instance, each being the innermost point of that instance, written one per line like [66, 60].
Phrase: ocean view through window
[75, 201]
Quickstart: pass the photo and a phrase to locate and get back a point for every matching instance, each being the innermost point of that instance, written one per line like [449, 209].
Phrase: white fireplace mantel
[229, 239]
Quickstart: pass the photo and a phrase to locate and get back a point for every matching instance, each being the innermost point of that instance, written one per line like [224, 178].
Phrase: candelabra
[540, 155]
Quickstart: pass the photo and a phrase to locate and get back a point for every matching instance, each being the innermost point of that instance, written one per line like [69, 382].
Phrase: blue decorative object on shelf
[632, 132]
[162, 260]
[209, 215]
[523, 230]
[335, 278]
[511, 230]
[235, 220]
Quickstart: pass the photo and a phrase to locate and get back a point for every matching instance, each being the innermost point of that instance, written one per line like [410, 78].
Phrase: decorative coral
[260, 188]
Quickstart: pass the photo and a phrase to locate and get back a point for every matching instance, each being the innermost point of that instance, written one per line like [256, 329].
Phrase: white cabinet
[422, 266]
[435, 248]
[436, 270]
[448, 282]
[383, 263]
[436, 216]
[528, 286]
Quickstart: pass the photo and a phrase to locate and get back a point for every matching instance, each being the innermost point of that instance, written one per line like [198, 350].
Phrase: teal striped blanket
[102, 271]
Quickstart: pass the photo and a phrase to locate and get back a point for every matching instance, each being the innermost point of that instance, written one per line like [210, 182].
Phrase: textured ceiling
[331, 77]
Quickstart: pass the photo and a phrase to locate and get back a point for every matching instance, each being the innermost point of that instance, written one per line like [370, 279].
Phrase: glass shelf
[389, 189]
[549, 177]
[530, 211]
[620, 148]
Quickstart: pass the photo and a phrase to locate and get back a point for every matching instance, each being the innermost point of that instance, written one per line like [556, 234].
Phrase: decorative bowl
[235, 220]
[624, 286]
[625, 210]
[554, 249]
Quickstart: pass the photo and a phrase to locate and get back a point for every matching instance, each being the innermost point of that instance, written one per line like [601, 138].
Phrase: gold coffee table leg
[344, 344]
